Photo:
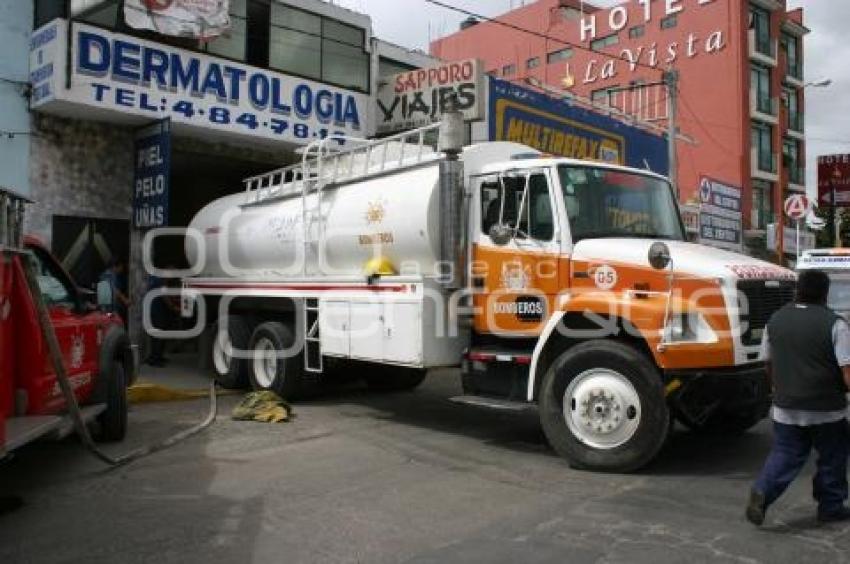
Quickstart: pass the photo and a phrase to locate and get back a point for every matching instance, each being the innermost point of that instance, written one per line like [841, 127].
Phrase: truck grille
[763, 299]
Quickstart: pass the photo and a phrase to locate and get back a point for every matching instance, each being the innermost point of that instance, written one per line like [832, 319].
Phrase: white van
[836, 263]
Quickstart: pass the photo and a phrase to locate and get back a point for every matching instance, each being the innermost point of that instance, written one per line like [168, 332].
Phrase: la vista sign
[655, 54]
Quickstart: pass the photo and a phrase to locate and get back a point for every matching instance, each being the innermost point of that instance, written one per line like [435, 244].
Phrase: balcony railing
[765, 162]
[796, 122]
[796, 175]
[794, 70]
[764, 46]
[767, 105]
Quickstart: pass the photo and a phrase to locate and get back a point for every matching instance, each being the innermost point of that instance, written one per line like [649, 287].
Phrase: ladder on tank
[323, 165]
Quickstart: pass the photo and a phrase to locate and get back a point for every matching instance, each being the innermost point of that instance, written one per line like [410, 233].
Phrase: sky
[827, 52]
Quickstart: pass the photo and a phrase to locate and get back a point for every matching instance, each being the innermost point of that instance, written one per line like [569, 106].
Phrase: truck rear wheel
[602, 407]
[113, 421]
[230, 372]
[394, 378]
[270, 368]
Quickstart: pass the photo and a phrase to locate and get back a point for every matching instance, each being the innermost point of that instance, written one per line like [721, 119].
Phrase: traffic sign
[797, 206]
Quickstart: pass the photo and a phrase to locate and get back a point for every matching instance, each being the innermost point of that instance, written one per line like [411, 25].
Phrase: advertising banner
[152, 177]
[124, 79]
[181, 18]
[417, 98]
[721, 219]
[834, 175]
[559, 128]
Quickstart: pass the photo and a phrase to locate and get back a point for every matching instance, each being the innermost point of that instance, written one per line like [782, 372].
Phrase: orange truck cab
[96, 351]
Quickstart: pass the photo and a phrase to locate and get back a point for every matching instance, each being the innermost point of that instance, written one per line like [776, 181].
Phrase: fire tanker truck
[556, 283]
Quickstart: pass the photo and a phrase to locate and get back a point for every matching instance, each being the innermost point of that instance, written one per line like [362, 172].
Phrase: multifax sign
[124, 75]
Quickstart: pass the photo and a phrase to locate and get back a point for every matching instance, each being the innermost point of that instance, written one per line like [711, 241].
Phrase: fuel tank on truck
[393, 215]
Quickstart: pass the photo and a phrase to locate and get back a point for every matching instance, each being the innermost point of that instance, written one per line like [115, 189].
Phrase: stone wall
[78, 168]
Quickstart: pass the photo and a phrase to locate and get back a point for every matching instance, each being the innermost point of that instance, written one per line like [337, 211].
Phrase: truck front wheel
[228, 337]
[113, 420]
[602, 407]
[275, 365]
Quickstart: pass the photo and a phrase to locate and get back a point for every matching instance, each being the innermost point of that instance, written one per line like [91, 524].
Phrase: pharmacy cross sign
[797, 206]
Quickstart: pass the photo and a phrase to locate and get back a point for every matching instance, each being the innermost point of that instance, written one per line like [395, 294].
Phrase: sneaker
[841, 514]
[756, 508]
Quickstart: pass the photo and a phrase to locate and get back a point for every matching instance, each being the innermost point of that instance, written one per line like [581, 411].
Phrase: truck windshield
[609, 203]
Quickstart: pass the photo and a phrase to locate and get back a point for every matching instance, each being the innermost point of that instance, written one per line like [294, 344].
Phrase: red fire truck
[95, 349]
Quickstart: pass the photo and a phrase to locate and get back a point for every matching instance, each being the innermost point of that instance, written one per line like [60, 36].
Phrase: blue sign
[122, 76]
[720, 214]
[560, 128]
[152, 175]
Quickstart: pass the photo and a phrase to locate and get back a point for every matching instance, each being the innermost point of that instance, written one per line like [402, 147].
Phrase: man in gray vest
[807, 350]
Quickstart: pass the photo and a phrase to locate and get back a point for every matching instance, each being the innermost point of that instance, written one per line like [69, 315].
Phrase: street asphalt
[408, 477]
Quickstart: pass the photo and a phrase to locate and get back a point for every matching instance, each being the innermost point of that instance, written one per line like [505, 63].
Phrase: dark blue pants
[791, 448]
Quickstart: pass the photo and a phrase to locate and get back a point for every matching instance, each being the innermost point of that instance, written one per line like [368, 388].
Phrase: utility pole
[671, 79]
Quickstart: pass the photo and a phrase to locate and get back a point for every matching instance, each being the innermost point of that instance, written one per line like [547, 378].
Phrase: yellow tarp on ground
[265, 407]
[148, 392]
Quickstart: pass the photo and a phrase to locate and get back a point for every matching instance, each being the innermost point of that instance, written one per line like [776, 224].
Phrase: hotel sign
[123, 79]
[655, 55]
[834, 174]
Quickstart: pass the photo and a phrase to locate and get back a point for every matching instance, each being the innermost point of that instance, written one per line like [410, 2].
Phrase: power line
[533, 32]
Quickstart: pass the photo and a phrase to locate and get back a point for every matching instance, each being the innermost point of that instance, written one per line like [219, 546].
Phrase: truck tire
[268, 369]
[113, 421]
[602, 407]
[394, 378]
[231, 373]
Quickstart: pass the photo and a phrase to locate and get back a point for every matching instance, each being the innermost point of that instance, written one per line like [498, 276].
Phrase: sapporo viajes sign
[720, 215]
[416, 98]
[655, 54]
[152, 168]
[834, 175]
[117, 78]
[182, 18]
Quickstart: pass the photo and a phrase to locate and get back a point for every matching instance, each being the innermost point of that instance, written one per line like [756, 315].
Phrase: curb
[147, 392]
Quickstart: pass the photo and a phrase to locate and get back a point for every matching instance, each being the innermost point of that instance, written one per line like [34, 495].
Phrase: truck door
[76, 331]
[516, 280]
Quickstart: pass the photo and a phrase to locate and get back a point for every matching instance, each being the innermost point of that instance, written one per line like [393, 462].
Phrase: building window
[568, 13]
[48, 10]
[532, 63]
[390, 67]
[604, 96]
[791, 161]
[561, 55]
[760, 85]
[508, 70]
[762, 213]
[309, 45]
[233, 43]
[636, 32]
[794, 65]
[762, 136]
[669, 22]
[791, 101]
[603, 42]
[760, 24]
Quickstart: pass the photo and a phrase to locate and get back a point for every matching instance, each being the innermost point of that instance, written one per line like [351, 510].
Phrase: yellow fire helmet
[380, 266]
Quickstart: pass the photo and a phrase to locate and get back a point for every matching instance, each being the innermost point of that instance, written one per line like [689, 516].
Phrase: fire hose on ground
[73, 406]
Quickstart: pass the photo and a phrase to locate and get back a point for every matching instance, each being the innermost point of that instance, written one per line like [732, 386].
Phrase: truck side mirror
[659, 255]
[501, 234]
[105, 297]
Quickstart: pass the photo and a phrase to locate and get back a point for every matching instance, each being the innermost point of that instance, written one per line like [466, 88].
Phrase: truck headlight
[689, 327]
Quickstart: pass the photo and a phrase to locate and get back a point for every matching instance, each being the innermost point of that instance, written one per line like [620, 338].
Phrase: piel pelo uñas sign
[119, 76]
[416, 98]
